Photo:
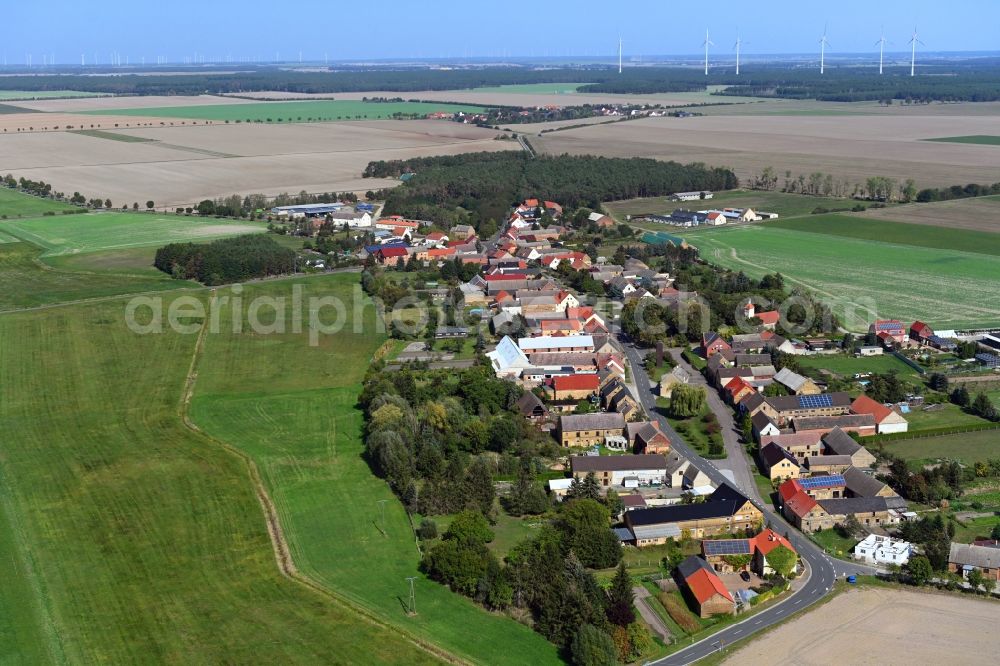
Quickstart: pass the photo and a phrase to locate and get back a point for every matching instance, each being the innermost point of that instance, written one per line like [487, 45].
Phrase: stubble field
[885, 626]
[179, 166]
[979, 213]
[852, 147]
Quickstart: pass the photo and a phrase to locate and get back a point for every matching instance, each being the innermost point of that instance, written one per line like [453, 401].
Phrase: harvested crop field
[125, 102]
[884, 626]
[183, 165]
[852, 147]
[27, 123]
[979, 214]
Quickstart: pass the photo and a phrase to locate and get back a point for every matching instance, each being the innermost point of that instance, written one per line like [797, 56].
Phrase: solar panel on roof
[823, 481]
[727, 547]
[814, 401]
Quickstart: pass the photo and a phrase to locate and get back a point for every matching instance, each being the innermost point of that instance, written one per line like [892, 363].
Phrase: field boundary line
[282, 552]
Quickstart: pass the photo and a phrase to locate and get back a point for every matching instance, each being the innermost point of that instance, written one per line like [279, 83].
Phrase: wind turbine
[881, 50]
[739, 43]
[913, 50]
[619, 53]
[823, 43]
[708, 42]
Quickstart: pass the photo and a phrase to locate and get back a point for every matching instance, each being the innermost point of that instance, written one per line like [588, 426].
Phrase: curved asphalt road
[823, 570]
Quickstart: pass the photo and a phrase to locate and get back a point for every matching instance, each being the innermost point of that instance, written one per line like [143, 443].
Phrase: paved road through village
[823, 570]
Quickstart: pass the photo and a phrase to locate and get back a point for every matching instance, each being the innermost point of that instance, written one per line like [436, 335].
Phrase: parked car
[745, 575]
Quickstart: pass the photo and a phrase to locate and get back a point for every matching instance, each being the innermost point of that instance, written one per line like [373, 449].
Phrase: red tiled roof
[392, 252]
[788, 489]
[768, 540]
[436, 235]
[704, 585]
[531, 203]
[576, 383]
[508, 276]
[769, 318]
[561, 325]
[865, 405]
[800, 504]
[441, 252]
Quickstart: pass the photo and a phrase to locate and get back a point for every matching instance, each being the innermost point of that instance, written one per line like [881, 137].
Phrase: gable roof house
[863, 424]
[726, 510]
[678, 375]
[574, 387]
[796, 383]
[507, 359]
[621, 471]
[920, 331]
[963, 558]
[646, 437]
[778, 463]
[838, 442]
[712, 343]
[531, 407]
[887, 420]
[589, 429]
[889, 331]
[703, 588]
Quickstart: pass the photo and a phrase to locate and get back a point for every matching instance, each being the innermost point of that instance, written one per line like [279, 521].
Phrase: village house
[963, 558]
[784, 408]
[572, 388]
[863, 424]
[646, 437]
[887, 420]
[796, 383]
[463, 231]
[838, 442]
[589, 429]
[801, 446]
[625, 471]
[556, 344]
[725, 511]
[616, 397]
[718, 552]
[703, 588]
[889, 332]
[676, 377]
[878, 549]
[777, 463]
[601, 220]
[531, 407]
[713, 343]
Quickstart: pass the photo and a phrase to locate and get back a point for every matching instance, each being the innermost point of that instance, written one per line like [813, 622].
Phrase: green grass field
[126, 537]
[862, 278]
[846, 366]
[945, 416]
[18, 204]
[294, 414]
[45, 94]
[29, 283]
[984, 139]
[884, 231]
[93, 232]
[321, 110]
[966, 447]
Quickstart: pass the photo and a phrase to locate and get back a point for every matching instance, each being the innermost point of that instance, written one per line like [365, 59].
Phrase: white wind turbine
[739, 43]
[823, 43]
[881, 50]
[619, 53]
[707, 43]
[913, 50]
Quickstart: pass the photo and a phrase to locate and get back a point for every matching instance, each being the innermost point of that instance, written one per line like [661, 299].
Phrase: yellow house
[777, 463]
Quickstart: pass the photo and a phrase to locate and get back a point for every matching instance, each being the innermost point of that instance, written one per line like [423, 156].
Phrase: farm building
[589, 429]
[887, 420]
[691, 196]
[964, 557]
[621, 471]
[726, 510]
[703, 588]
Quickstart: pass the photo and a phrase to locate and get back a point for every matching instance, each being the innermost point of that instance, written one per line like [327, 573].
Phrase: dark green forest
[225, 261]
[476, 187]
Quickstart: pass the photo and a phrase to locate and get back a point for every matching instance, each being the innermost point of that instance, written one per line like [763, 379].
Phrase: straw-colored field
[125, 102]
[882, 626]
[852, 147]
[979, 214]
[21, 123]
[182, 165]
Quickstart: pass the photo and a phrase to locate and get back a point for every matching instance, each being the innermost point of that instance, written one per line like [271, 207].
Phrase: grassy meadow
[967, 448]
[319, 110]
[18, 204]
[28, 282]
[295, 415]
[126, 537]
[945, 287]
[93, 232]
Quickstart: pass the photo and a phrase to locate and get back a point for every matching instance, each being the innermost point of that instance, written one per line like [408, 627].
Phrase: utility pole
[411, 605]
[381, 506]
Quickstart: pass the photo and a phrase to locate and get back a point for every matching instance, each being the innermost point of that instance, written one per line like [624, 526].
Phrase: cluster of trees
[927, 486]
[225, 261]
[687, 401]
[957, 192]
[981, 405]
[476, 187]
[887, 387]
[258, 205]
[426, 432]
[934, 535]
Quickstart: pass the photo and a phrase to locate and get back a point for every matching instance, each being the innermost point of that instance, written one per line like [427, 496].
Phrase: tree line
[226, 260]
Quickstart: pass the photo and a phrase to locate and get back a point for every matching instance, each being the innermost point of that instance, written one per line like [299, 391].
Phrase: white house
[876, 549]
[507, 359]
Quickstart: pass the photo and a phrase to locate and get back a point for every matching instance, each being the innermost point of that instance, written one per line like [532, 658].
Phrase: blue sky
[378, 29]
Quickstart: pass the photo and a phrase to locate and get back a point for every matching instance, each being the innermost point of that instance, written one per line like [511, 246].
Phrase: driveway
[737, 462]
[648, 615]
